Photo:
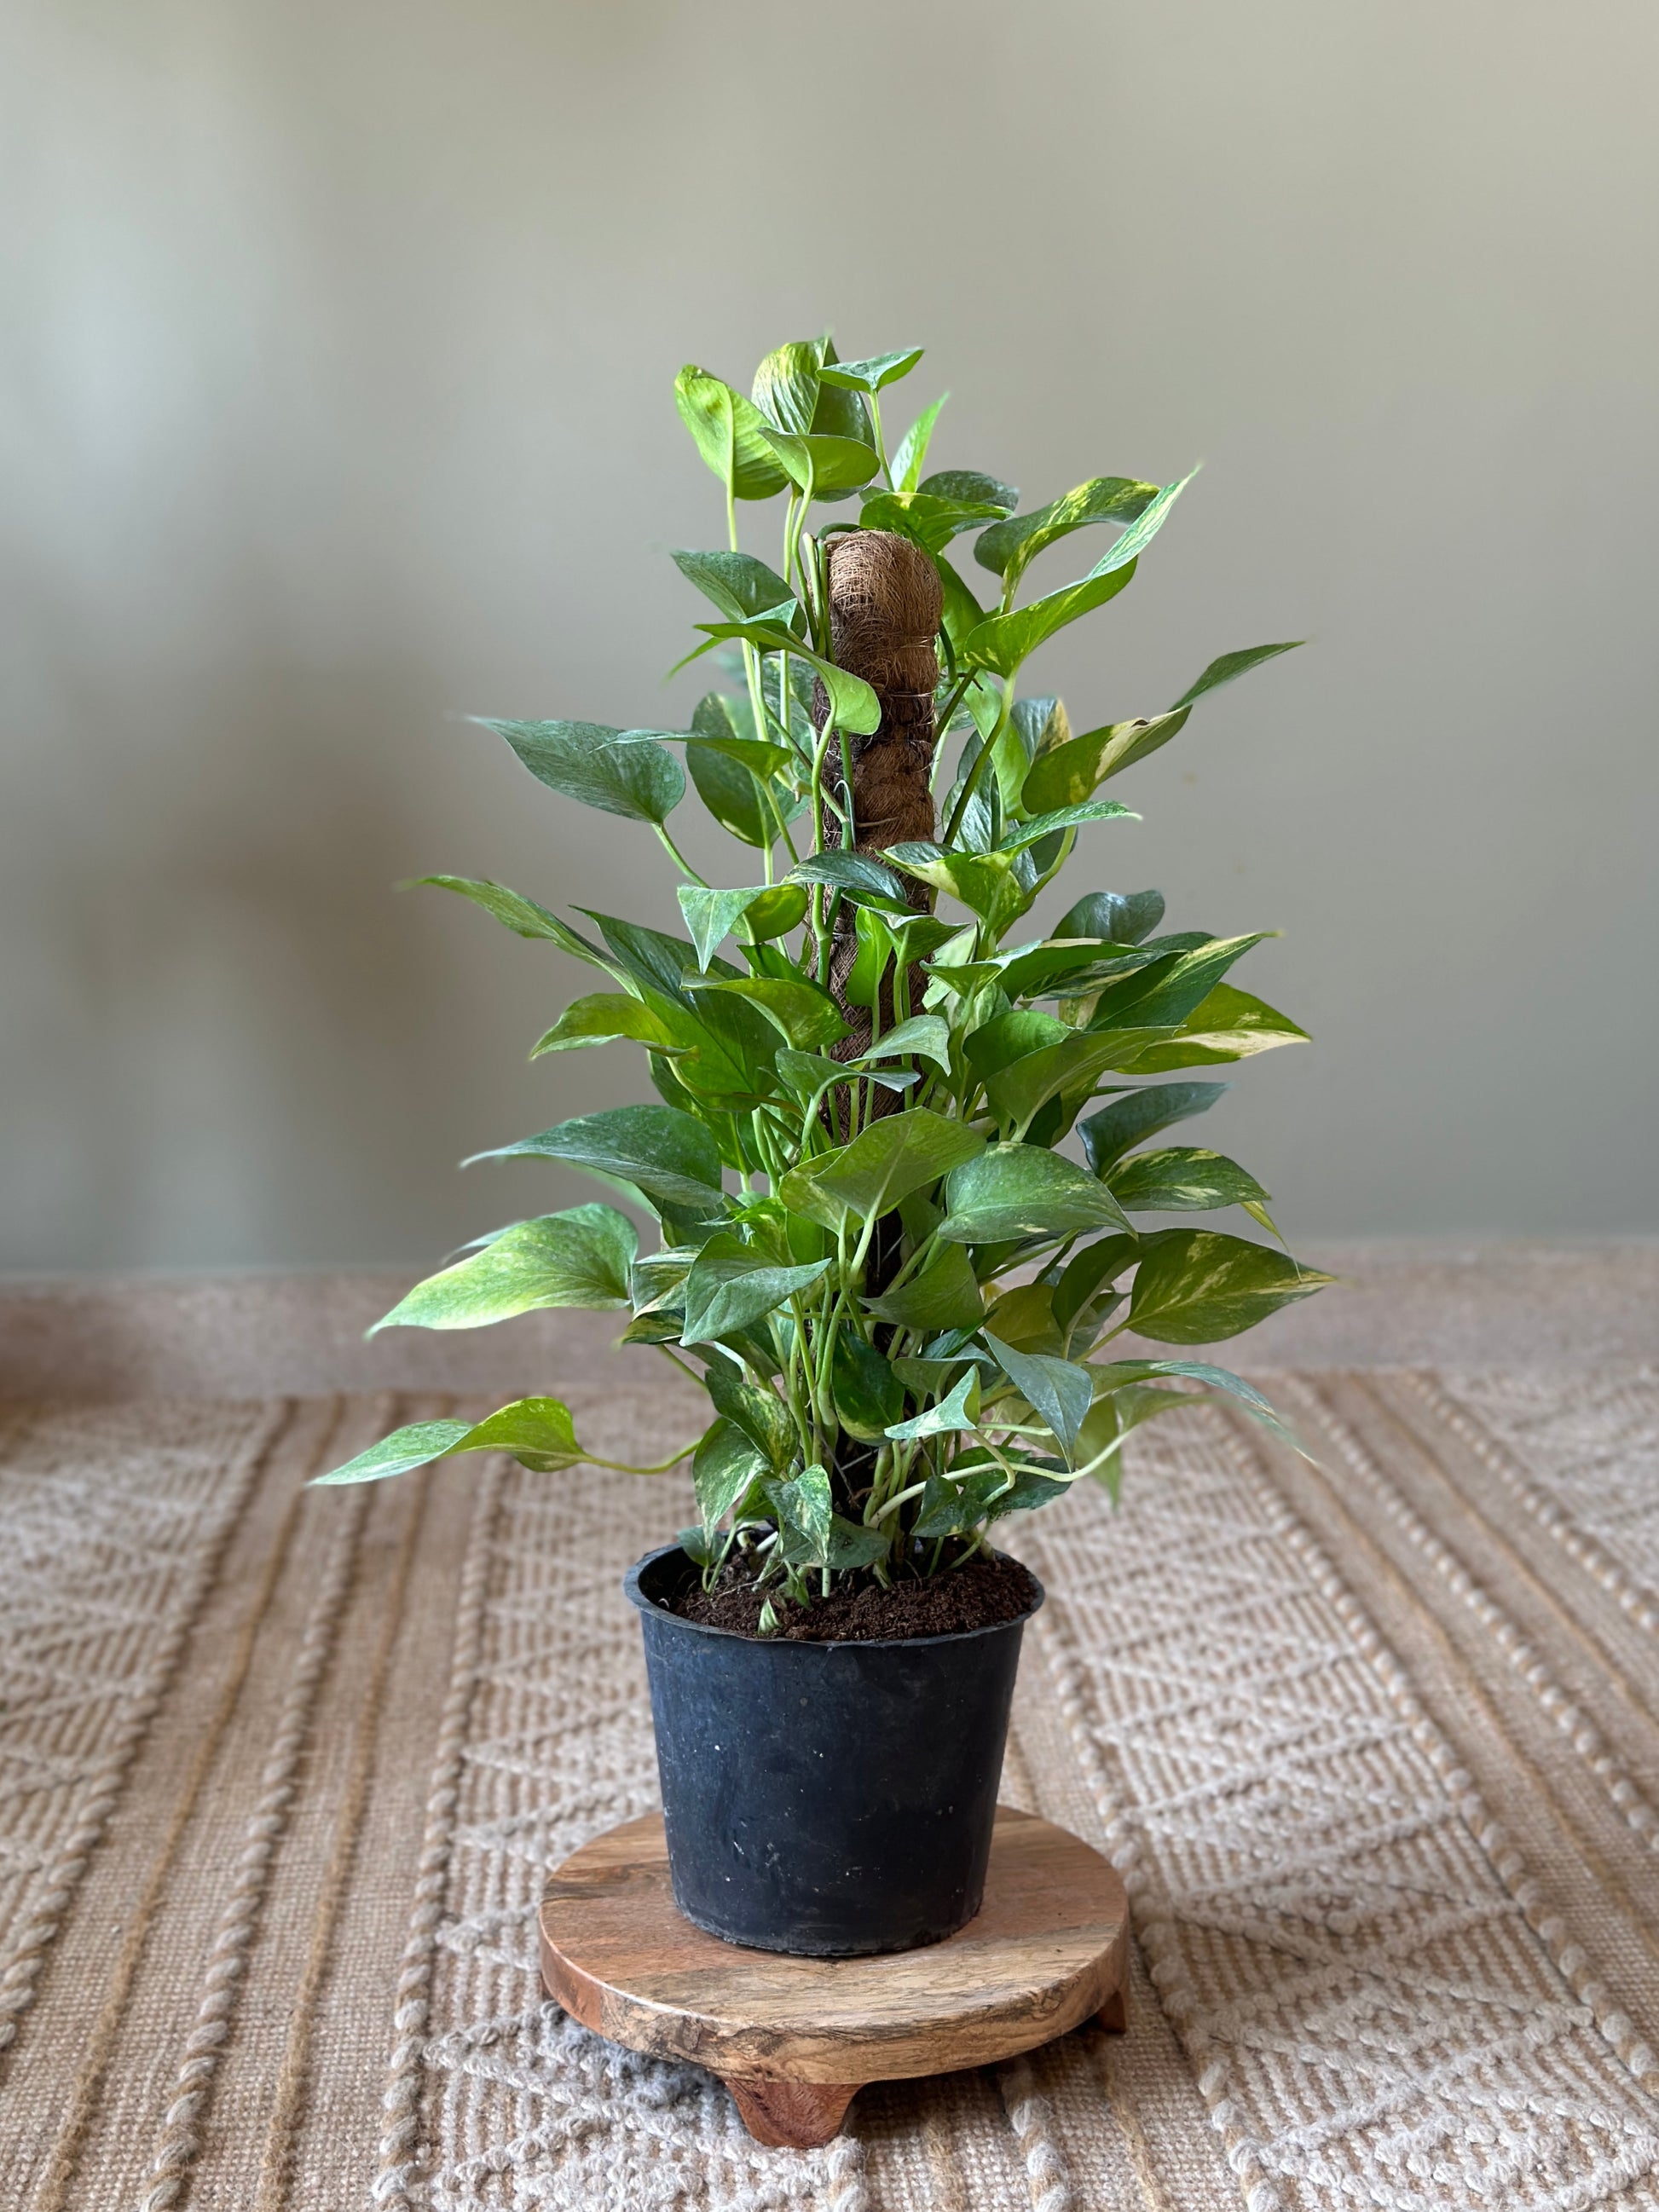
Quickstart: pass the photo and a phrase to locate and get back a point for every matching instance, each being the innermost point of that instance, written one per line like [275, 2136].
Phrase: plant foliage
[892, 1281]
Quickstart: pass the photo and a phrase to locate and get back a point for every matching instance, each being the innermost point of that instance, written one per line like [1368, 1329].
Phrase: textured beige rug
[1374, 1743]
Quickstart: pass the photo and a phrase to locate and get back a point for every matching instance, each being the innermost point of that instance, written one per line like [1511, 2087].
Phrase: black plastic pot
[830, 1799]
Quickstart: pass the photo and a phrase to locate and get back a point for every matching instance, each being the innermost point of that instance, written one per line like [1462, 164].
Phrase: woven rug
[1373, 1742]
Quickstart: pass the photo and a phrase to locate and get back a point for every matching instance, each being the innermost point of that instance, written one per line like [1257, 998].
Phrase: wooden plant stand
[794, 2039]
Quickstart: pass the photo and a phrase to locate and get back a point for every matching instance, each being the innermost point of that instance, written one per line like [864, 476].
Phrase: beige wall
[339, 345]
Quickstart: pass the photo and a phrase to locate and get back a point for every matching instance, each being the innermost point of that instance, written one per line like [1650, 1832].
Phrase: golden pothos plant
[902, 1159]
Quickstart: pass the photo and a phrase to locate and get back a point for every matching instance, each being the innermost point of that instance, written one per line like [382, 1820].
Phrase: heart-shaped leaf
[1184, 1180]
[867, 1394]
[731, 1284]
[1009, 548]
[922, 517]
[1234, 663]
[824, 465]
[1131, 1372]
[538, 1432]
[1005, 641]
[1068, 1068]
[578, 1258]
[624, 772]
[911, 457]
[1227, 1025]
[734, 774]
[711, 915]
[760, 1414]
[520, 914]
[1141, 1113]
[952, 1416]
[804, 1014]
[856, 876]
[736, 583]
[726, 1463]
[972, 487]
[854, 705]
[1054, 1388]
[1018, 835]
[987, 884]
[959, 1500]
[667, 1155]
[895, 1154]
[1098, 1264]
[1013, 1191]
[872, 375]
[923, 1034]
[1197, 1286]
[1121, 917]
[730, 433]
[600, 1018]
[805, 1515]
[1169, 988]
[944, 1296]
[786, 386]
[1068, 775]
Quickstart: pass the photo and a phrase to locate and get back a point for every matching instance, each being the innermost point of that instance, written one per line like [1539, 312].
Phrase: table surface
[1372, 1737]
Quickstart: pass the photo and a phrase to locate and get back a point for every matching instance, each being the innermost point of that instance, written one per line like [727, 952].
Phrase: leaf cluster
[893, 1272]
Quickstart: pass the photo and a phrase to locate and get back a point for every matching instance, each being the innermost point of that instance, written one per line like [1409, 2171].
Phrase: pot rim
[643, 1604]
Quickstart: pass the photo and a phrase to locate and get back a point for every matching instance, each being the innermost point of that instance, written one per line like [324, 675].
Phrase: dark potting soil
[977, 1594]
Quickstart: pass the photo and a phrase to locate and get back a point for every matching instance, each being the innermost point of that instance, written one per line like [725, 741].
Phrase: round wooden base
[794, 2039]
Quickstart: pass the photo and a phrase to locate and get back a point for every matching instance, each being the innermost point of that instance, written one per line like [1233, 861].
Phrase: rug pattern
[1370, 1735]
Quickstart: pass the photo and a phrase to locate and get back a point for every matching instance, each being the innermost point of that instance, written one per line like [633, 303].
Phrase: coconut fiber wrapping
[1373, 1742]
[884, 610]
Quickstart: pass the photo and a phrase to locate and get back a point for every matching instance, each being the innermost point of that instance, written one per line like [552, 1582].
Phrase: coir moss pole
[885, 604]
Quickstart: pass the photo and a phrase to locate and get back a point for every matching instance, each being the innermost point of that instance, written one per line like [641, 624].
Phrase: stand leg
[790, 2115]
[1114, 2015]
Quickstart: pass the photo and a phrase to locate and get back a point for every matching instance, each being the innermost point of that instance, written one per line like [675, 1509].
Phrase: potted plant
[896, 1285]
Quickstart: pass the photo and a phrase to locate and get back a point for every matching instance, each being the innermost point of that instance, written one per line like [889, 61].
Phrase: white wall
[339, 350]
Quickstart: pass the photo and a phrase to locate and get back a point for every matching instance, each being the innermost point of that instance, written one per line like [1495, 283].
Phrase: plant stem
[679, 858]
[952, 704]
[669, 1353]
[662, 1467]
[820, 894]
[874, 1520]
[881, 449]
[914, 1264]
[987, 748]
